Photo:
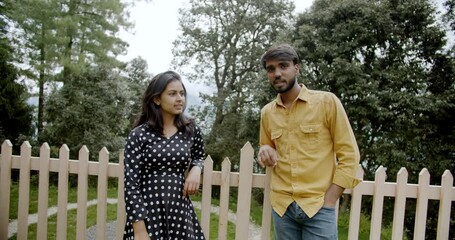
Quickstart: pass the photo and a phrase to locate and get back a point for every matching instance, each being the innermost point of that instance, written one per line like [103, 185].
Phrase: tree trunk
[41, 81]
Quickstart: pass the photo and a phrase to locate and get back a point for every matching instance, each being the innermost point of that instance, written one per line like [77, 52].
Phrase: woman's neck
[168, 120]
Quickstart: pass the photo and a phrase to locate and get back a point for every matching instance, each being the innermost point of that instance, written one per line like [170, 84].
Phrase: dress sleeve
[134, 202]
[197, 149]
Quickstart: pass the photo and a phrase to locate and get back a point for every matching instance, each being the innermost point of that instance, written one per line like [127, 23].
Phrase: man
[306, 138]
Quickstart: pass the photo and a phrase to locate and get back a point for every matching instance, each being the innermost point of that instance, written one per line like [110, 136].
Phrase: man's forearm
[332, 195]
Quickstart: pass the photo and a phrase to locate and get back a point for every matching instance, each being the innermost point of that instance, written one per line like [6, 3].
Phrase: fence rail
[244, 180]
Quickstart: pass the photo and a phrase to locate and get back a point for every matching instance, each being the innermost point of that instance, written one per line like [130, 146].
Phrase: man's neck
[288, 97]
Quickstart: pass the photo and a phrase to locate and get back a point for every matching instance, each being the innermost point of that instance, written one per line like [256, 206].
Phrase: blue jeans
[295, 224]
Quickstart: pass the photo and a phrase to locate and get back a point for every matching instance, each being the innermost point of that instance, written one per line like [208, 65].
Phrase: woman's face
[172, 100]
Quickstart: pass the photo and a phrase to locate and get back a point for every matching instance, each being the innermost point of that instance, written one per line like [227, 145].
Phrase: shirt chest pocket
[276, 136]
[311, 135]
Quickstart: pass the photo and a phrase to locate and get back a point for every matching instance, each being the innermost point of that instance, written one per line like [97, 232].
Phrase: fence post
[24, 191]
[422, 205]
[62, 215]
[121, 219]
[101, 207]
[444, 204]
[356, 202]
[82, 179]
[378, 202]
[400, 204]
[206, 202]
[224, 199]
[266, 207]
[244, 190]
[5, 187]
[43, 191]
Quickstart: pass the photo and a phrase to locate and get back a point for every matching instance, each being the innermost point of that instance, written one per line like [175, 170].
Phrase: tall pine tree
[60, 38]
[15, 114]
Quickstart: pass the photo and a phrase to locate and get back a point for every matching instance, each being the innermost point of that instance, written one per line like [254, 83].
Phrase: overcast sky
[156, 27]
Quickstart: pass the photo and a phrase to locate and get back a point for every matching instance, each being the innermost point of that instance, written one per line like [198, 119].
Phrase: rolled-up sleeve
[345, 146]
[264, 132]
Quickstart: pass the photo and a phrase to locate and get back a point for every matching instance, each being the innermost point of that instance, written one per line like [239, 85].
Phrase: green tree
[222, 41]
[138, 78]
[449, 16]
[35, 42]
[87, 32]
[387, 62]
[15, 114]
[57, 38]
[91, 110]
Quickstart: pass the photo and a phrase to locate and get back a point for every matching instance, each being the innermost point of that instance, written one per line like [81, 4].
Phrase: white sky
[156, 27]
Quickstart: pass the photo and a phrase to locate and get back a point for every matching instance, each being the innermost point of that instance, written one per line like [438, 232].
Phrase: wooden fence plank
[24, 191]
[378, 201]
[244, 190]
[121, 215]
[224, 200]
[206, 201]
[445, 206]
[400, 205]
[266, 207]
[356, 203]
[422, 205]
[62, 214]
[82, 187]
[5, 187]
[101, 208]
[43, 191]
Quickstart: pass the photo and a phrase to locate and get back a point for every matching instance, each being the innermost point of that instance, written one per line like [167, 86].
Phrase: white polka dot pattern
[154, 169]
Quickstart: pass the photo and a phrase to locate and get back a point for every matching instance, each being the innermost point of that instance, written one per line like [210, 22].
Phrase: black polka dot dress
[154, 169]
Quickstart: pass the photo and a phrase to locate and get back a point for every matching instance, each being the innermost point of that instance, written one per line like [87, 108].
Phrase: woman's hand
[192, 181]
[140, 232]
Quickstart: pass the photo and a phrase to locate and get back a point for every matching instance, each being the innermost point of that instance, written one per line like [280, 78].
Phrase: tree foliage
[15, 114]
[449, 16]
[57, 38]
[387, 62]
[138, 79]
[91, 110]
[385, 59]
[222, 41]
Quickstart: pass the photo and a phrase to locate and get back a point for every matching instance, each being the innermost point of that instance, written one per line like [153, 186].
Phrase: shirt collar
[303, 95]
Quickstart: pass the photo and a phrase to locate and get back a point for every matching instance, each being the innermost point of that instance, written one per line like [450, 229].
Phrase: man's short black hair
[282, 52]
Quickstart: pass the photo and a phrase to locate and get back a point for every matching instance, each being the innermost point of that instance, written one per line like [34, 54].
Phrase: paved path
[254, 233]
[33, 218]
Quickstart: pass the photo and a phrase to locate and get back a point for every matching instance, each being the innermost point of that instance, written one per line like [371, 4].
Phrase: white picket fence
[244, 180]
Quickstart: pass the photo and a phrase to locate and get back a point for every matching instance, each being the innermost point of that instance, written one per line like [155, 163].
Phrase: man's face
[281, 74]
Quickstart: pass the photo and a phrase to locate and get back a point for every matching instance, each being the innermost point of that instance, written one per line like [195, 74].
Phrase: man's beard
[288, 87]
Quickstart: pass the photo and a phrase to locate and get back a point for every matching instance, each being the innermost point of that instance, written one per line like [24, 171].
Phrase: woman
[163, 144]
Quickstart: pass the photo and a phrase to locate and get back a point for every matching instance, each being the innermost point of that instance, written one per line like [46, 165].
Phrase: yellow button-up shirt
[315, 145]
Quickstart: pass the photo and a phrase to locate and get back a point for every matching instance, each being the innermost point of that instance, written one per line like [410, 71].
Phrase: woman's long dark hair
[151, 113]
